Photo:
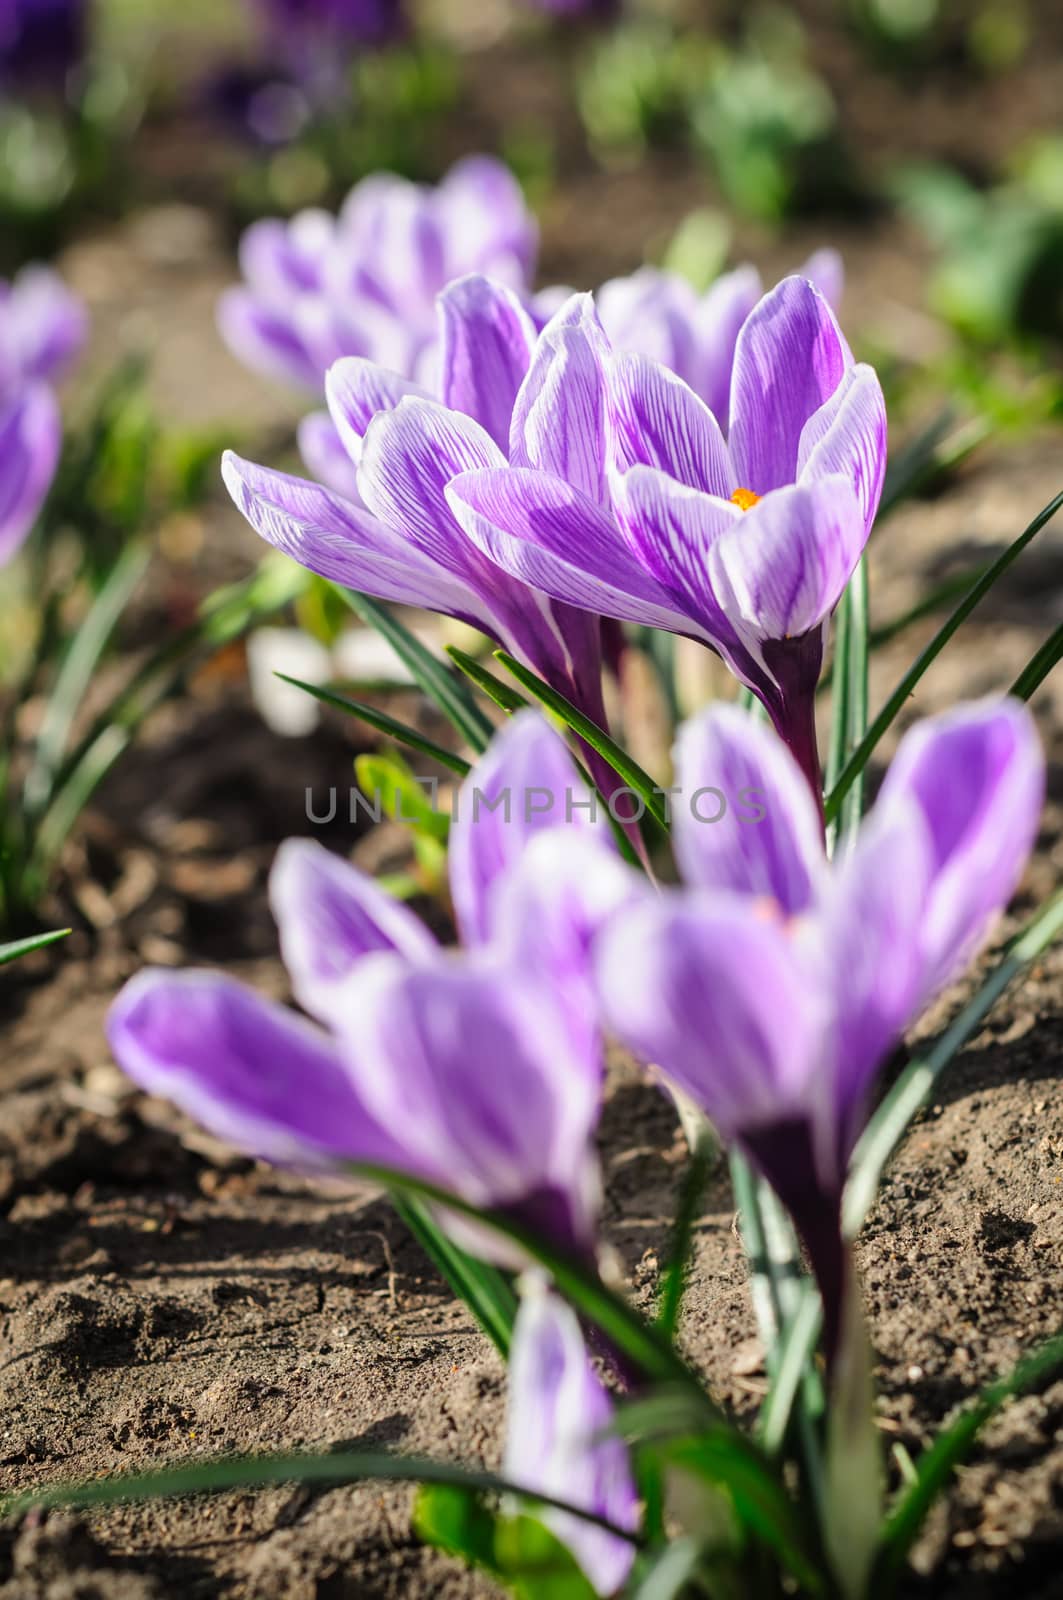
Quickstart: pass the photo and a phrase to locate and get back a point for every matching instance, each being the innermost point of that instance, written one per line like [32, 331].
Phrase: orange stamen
[745, 499]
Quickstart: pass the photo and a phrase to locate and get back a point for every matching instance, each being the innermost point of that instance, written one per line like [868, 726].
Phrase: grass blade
[936, 1465]
[670, 1572]
[483, 1288]
[248, 1472]
[75, 674]
[794, 1352]
[856, 697]
[890, 1121]
[1039, 666]
[507, 699]
[699, 1167]
[24, 947]
[977, 592]
[592, 735]
[383, 724]
[449, 693]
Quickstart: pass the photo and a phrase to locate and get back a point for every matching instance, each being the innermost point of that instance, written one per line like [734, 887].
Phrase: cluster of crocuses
[530, 469]
[42, 328]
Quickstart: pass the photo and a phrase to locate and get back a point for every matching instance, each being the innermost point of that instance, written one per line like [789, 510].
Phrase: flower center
[745, 499]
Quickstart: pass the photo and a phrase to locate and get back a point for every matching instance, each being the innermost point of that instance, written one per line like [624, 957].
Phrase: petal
[653, 313]
[720, 316]
[526, 782]
[826, 270]
[656, 420]
[408, 458]
[30, 441]
[487, 343]
[356, 390]
[977, 776]
[330, 916]
[280, 259]
[781, 569]
[249, 1071]
[266, 340]
[847, 438]
[672, 528]
[756, 831]
[789, 359]
[714, 993]
[558, 1408]
[48, 324]
[559, 415]
[487, 223]
[325, 457]
[547, 534]
[342, 542]
[480, 1074]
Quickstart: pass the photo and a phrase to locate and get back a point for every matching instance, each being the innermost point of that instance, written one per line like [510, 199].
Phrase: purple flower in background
[557, 1407]
[365, 283]
[505, 397]
[479, 1072]
[42, 327]
[41, 42]
[742, 532]
[658, 314]
[772, 987]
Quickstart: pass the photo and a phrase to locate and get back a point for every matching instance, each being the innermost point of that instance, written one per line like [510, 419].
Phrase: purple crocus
[558, 1408]
[480, 1072]
[42, 326]
[506, 396]
[365, 283]
[741, 531]
[659, 314]
[772, 987]
[41, 42]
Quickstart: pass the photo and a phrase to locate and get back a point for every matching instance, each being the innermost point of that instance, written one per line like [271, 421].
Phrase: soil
[163, 1299]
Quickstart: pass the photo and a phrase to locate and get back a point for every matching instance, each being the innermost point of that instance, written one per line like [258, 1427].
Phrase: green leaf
[76, 673]
[449, 693]
[860, 757]
[794, 1350]
[520, 1551]
[627, 769]
[383, 724]
[889, 1122]
[670, 1571]
[935, 1466]
[640, 1344]
[507, 699]
[483, 1288]
[246, 1472]
[24, 947]
[389, 784]
[856, 697]
[1039, 666]
[691, 1190]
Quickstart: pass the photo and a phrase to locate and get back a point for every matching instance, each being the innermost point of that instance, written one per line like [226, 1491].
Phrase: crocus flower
[772, 987]
[745, 541]
[558, 1408]
[500, 401]
[658, 314]
[41, 42]
[42, 327]
[365, 283]
[480, 1072]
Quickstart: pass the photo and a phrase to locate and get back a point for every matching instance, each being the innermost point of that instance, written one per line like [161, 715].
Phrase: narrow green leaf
[860, 757]
[504, 697]
[839, 695]
[383, 724]
[636, 1340]
[856, 697]
[76, 673]
[24, 947]
[670, 1572]
[520, 1551]
[890, 1121]
[247, 1472]
[449, 693]
[388, 783]
[1039, 666]
[692, 1188]
[941, 595]
[483, 1288]
[793, 1354]
[625, 768]
[936, 1465]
